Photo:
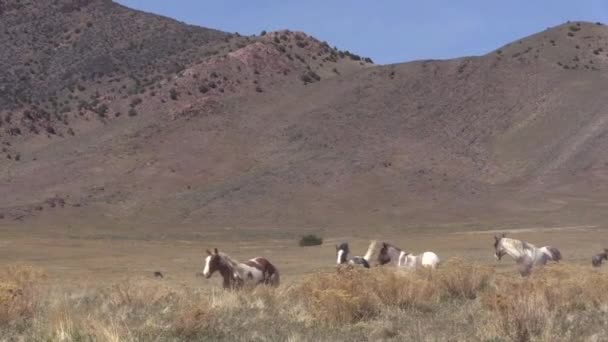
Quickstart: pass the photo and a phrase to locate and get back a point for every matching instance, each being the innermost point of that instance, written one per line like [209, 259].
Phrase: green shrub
[310, 240]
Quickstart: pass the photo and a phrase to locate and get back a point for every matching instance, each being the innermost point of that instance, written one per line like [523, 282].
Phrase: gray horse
[526, 255]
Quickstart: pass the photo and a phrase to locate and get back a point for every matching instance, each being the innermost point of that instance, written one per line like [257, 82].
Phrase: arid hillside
[113, 115]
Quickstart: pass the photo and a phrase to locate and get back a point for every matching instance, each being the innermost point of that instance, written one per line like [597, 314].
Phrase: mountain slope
[281, 130]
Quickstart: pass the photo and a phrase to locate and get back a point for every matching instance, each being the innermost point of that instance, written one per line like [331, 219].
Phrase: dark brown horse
[597, 259]
[256, 271]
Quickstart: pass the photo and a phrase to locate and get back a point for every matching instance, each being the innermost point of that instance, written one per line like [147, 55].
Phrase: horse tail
[596, 260]
[370, 251]
[275, 279]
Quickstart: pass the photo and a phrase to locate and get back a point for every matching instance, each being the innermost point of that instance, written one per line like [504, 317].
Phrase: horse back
[429, 259]
[271, 274]
[359, 261]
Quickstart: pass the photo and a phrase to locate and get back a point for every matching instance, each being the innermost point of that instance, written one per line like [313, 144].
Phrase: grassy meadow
[461, 301]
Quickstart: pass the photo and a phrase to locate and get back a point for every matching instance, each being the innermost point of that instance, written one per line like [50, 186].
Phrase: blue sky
[388, 31]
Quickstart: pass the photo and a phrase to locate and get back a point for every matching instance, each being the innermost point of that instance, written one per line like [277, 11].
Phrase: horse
[256, 271]
[342, 251]
[526, 255]
[597, 259]
[394, 255]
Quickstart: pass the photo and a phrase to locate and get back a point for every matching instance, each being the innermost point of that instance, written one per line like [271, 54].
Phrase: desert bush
[136, 101]
[460, 279]
[18, 293]
[549, 305]
[310, 240]
[173, 94]
[102, 110]
[309, 77]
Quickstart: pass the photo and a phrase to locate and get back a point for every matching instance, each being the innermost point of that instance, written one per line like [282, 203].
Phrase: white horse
[394, 255]
[525, 254]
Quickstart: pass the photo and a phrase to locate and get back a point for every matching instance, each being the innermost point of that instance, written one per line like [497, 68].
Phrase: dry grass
[458, 302]
[18, 294]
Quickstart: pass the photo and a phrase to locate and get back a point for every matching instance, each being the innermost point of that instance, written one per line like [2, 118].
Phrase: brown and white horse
[256, 271]
[394, 255]
[526, 255]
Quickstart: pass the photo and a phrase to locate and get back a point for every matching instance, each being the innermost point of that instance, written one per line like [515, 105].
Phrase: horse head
[342, 253]
[212, 263]
[384, 256]
[499, 250]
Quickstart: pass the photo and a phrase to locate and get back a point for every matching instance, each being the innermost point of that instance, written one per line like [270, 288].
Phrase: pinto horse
[256, 271]
[526, 255]
[342, 251]
[394, 255]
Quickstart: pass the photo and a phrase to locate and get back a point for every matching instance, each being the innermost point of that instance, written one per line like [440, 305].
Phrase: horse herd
[259, 271]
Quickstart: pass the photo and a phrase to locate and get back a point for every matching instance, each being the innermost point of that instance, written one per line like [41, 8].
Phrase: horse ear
[337, 247]
[496, 237]
[504, 234]
[215, 251]
[384, 245]
[209, 252]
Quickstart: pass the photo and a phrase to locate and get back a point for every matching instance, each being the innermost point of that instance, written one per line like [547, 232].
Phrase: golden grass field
[60, 287]
[462, 301]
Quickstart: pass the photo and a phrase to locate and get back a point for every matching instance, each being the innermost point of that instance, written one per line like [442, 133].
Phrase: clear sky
[388, 31]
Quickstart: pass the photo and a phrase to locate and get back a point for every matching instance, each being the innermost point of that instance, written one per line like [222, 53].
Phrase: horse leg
[525, 266]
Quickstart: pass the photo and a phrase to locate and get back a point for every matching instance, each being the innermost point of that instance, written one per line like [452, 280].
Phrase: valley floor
[92, 286]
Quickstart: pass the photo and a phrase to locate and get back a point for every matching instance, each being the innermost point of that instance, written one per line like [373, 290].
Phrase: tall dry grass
[460, 301]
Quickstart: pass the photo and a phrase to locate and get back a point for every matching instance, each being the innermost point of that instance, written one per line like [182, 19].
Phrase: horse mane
[519, 244]
[344, 246]
[232, 263]
[388, 244]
